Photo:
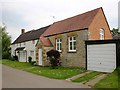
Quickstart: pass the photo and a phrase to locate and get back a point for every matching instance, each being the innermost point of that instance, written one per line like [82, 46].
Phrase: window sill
[72, 51]
[59, 51]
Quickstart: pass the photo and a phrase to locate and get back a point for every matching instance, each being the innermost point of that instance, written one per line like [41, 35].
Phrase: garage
[102, 56]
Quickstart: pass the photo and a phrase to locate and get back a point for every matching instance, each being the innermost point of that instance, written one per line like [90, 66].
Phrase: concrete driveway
[13, 78]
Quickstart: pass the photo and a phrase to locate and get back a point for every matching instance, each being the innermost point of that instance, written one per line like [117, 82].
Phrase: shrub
[6, 55]
[33, 62]
[29, 59]
[15, 57]
[54, 57]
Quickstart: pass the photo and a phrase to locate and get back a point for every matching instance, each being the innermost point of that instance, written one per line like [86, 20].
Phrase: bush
[33, 62]
[15, 57]
[29, 59]
[6, 55]
[54, 57]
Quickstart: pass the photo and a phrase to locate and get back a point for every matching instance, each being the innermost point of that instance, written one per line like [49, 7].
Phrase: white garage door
[101, 57]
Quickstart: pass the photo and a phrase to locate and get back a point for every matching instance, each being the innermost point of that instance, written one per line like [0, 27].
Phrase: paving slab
[96, 79]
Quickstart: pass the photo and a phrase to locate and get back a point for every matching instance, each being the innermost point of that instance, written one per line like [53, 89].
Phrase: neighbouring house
[24, 46]
[68, 37]
[117, 36]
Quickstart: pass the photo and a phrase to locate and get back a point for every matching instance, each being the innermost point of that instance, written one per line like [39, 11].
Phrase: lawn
[111, 81]
[16, 64]
[0, 61]
[59, 73]
[87, 77]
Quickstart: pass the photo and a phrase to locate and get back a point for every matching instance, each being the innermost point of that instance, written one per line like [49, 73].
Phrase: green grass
[16, 64]
[111, 81]
[118, 77]
[0, 61]
[60, 73]
[87, 77]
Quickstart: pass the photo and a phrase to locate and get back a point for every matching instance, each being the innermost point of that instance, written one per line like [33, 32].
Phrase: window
[59, 44]
[101, 34]
[24, 43]
[72, 43]
[33, 41]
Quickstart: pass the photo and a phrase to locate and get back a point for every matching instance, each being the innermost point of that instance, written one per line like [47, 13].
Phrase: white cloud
[33, 14]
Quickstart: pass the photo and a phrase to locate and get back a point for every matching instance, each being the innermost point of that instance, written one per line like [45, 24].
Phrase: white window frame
[101, 34]
[58, 46]
[72, 40]
[33, 41]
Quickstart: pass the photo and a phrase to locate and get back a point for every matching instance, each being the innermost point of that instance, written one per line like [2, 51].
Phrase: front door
[22, 56]
[40, 56]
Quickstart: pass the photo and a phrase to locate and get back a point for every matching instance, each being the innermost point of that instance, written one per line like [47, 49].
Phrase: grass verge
[59, 73]
[111, 81]
[0, 61]
[16, 64]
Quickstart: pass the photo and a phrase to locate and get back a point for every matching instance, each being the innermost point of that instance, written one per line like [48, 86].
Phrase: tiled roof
[46, 41]
[78, 22]
[30, 35]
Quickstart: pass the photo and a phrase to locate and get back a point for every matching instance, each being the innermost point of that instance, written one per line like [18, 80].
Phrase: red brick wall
[98, 23]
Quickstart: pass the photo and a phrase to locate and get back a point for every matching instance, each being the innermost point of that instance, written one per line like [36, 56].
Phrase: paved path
[96, 80]
[13, 78]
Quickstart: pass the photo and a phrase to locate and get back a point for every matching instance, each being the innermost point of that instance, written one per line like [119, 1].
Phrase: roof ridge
[30, 35]
[77, 22]
[79, 14]
[36, 29]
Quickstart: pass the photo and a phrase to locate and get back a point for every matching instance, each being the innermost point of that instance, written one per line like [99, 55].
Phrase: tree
[115, 31]
[0, 43]
[6, 42]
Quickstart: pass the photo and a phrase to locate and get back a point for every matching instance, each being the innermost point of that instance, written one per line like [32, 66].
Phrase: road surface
[13, 78]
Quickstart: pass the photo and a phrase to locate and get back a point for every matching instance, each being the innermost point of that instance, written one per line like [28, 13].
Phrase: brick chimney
[22, 31]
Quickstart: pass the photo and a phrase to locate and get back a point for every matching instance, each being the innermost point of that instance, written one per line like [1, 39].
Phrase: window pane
[74, 38]
[60, 46]
[57, 40]
[57, 47]
[101, 34]
[70, 38]
[60, 40]
[74, 45]
[70, 45]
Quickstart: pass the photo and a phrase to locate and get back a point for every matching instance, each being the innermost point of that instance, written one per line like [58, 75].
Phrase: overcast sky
[34, 14]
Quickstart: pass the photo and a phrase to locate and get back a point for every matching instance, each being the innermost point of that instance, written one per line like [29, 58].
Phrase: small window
[24, 43]
[72, 44]
[33, 41]
[101, 34]
[59, 44]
